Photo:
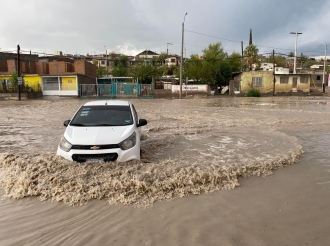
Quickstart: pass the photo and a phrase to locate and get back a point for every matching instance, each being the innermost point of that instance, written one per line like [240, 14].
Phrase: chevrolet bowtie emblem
[95, 147]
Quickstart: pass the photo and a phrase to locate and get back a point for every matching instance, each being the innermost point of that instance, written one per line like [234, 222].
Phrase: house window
[284, 80]
[318, 77]
[172, 60]
[50, 83]
[257, 81]
[304, 80]
[103, 62]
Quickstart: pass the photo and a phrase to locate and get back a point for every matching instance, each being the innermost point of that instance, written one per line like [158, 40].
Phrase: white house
[147, 54]
[171, 61]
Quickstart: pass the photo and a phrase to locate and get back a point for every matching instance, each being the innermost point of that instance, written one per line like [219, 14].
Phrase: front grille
[104, 157]
[90, 147]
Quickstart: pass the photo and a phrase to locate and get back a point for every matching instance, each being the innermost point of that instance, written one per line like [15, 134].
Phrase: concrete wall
[69, 83]
[201, 89]
[33, 81]
[267, 81]
[304, 87]
[24, 96]
[163, 93]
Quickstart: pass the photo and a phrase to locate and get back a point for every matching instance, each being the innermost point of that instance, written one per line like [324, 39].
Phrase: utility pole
[18, 71]
[242, 57]
[106, 60]
[274, 79]
[167, 47]
[325, 59]
[181, 63]
[295, 50]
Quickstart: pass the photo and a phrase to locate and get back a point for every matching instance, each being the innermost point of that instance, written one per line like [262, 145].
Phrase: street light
[167, 47]
[106, 59]
[181, 63]
[325, 58]
[295, 51]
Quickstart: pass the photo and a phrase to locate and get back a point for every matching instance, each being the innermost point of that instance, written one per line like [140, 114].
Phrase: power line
[212, 36]
[258, 45]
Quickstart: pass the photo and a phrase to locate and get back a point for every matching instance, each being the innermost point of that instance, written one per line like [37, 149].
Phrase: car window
[106, 115]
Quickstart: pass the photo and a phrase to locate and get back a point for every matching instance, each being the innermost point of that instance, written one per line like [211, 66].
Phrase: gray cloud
[84, 26]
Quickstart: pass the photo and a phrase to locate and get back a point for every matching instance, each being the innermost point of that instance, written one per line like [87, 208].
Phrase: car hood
[97, 135]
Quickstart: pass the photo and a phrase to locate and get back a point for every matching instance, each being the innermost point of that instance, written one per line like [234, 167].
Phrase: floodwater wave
[189, 147]
[140, 183]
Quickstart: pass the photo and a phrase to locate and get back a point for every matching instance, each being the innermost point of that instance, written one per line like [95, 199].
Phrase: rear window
[106, 115]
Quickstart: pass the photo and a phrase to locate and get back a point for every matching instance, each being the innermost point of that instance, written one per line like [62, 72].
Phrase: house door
[294, 84]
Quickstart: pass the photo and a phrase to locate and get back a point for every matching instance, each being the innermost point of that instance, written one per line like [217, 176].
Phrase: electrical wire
[258, 45]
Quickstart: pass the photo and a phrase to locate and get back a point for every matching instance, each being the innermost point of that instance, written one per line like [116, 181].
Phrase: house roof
[148, 52]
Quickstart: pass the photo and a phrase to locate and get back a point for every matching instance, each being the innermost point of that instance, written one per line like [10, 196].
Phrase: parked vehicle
[102, 131]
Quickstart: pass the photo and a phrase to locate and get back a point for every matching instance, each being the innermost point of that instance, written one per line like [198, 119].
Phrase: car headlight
[65, 145]
[129, 142]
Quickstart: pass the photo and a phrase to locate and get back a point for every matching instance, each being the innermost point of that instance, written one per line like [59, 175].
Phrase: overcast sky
[131, 26]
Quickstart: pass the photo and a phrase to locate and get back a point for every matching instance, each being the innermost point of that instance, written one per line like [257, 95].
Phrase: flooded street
[207, 176]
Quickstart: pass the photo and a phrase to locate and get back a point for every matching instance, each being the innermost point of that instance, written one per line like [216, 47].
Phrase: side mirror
[66, 123]
[142, 122]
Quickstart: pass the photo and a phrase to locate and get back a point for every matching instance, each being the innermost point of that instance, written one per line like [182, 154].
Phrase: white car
[102, 131]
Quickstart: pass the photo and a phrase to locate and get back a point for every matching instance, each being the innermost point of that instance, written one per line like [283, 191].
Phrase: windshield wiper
[77, 124]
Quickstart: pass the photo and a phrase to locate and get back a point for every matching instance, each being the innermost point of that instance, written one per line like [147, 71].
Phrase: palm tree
[251, 55]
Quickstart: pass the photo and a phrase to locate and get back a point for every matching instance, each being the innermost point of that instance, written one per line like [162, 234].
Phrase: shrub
[253, 93]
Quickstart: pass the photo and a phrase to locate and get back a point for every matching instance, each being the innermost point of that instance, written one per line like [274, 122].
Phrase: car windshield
[106, 115]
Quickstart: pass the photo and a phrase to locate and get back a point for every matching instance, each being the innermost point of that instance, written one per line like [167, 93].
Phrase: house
[172, 61]
[147, 54]
[284, 83]
[53, 75]
[265, 66]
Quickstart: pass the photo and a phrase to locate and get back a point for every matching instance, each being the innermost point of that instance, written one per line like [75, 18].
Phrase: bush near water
[253, 93]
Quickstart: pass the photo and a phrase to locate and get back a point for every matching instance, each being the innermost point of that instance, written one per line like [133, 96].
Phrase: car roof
[108, 102]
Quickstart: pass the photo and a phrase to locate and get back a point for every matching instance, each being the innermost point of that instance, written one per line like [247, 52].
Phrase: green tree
[251, 55]
[235, 61]
[278, 60]
[120, 66]
[225, 73]
[100, 72]
[145, 72]
[121, 60]
[13, 79]
[160, 60]
[309, 63]
[193, 68]
[212, 58]
[302, 58]
[291, 54]
[119, 71]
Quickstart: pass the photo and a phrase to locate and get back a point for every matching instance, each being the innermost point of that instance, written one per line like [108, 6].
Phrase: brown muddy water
[190, 147]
